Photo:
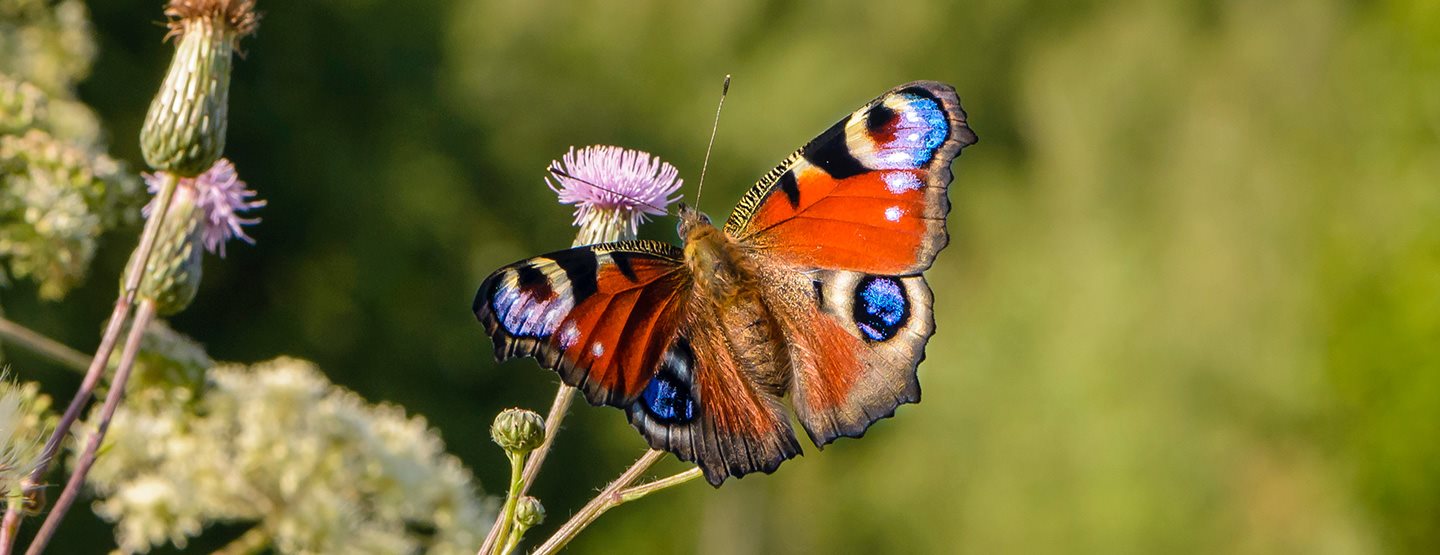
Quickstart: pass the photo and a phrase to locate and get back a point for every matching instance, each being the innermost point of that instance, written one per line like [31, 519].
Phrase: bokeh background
[1191, 302]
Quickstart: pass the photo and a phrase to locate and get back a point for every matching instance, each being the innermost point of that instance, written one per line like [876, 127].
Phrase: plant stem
[506, 519]
[558, 408]
[515, 534]
[253, 540]
[44, 346]
[645, 489]
[607, 499]
[11, 524]
[143, 315]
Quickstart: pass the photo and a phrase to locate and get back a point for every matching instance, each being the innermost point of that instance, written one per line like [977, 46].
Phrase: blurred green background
[1191, 303]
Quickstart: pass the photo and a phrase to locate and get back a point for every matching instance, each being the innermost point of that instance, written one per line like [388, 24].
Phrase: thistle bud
[518, 431]
[529, 512]
[171, 276]
[184, 131]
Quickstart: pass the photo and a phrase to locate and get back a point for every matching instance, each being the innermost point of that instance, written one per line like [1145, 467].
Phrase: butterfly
[814, 289]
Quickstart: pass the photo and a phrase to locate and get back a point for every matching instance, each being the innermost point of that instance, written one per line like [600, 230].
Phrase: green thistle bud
[172, 273]
[184, 131]
[518, 431]
[529, 512]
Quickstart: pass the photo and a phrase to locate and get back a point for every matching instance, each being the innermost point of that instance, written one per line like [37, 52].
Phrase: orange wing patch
[877, 222]
[599, 315]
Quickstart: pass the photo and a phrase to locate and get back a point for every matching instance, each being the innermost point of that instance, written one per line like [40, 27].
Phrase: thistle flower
[613, 189]
[205, 210]
[184, 130]
[221, 196]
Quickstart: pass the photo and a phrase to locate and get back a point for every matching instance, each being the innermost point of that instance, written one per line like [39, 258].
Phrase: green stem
[609, 498]
[43, 346]
[516, 533]
[506, 520]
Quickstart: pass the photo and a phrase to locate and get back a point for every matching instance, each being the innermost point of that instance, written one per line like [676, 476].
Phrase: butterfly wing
[704, 408]
[854, 341]
[619, 322]
[841, 231]
[599, 315]
[868, 194]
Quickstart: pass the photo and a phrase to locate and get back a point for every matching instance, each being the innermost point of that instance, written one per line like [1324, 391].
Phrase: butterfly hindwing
[854, 341]
[705, 403]
[599, 315]
[868, 194]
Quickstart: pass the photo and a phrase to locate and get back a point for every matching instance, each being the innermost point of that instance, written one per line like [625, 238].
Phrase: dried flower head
[221, 197]
[613, 189]
[239, 15]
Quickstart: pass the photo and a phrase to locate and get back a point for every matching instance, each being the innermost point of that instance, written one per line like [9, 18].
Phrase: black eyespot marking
[879, 116]
[580, 269]
[790, 187]
[830, 153]
[819, 291]
[880, 307]
[667, 398]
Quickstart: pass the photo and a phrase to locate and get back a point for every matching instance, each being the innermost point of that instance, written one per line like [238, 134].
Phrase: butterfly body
[813, 290]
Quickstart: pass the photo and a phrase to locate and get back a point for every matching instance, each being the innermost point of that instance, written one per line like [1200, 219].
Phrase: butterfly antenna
[724, 89]
[557, 172]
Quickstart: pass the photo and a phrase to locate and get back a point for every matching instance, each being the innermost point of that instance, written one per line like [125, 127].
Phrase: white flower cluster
[25, 422]
[313, 466]
[59, 191]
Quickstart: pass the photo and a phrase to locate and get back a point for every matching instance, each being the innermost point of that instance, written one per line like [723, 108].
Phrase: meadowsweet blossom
[222, 197]
[613, 189]
[313, 466]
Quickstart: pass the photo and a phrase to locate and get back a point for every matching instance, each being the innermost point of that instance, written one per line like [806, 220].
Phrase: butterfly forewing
[868, 194]
[599, 315]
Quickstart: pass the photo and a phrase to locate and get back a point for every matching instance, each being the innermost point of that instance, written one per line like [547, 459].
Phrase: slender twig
[43, 346]
[606, 500]
[648, 488]
[11, 524]
[563, 396]
[253, 540]
[143, 315]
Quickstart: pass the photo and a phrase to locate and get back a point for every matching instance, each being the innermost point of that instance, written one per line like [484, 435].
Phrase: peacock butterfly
[814, 288]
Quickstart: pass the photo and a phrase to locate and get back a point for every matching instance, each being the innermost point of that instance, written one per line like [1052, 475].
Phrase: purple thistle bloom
[221, 196]
[626, 183]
